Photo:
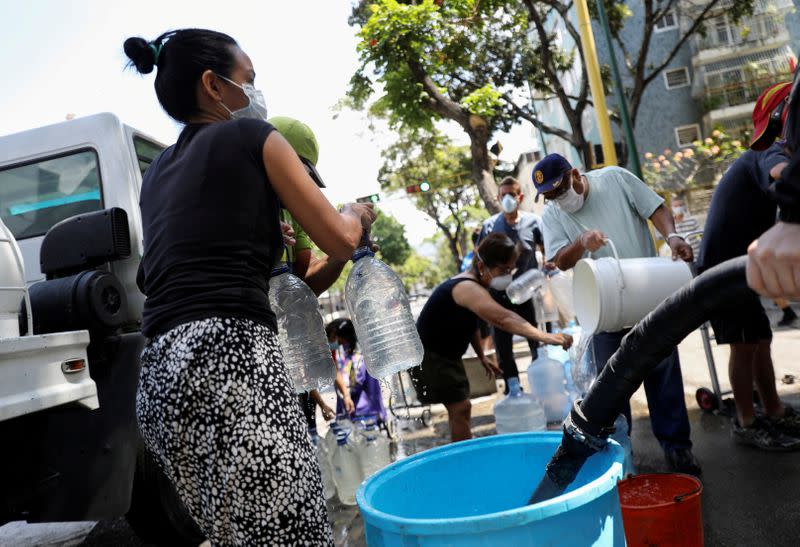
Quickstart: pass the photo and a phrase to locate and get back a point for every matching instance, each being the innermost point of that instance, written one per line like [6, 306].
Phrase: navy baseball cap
[549, 172]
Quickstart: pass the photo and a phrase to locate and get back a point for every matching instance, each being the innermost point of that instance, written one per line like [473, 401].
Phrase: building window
[687, 134]
[676, 77]
[722, 30]
[668, 22]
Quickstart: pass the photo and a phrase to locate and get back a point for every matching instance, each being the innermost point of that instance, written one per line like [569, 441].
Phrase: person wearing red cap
[742, 209]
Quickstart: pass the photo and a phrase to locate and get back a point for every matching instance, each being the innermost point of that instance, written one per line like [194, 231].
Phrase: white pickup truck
[70, 338]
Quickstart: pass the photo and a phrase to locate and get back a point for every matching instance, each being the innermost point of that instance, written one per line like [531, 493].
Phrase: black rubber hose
[643, 348]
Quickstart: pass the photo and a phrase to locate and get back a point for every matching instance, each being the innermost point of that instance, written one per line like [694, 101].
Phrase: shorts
[440, 379]
[747, 323]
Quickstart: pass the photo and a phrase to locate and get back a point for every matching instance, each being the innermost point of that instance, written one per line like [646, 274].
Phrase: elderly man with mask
[525, 231]
[583, 213]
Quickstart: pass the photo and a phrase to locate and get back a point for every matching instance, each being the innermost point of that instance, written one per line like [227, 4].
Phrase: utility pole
[596, 83]
[630, 140]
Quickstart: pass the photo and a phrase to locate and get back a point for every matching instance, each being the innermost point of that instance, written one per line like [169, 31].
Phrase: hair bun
[141, 55]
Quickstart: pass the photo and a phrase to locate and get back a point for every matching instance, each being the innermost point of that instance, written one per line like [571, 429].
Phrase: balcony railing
[714, 98]
[738, 39]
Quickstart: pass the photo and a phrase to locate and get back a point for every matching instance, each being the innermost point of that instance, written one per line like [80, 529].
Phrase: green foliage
[390, 235]
[420, 271]
[701, 164]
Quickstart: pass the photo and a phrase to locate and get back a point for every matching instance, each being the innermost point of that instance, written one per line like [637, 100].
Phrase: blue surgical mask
[256, 109]
[509, 203]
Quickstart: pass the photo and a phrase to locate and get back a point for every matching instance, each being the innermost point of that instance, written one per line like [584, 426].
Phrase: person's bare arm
[477, 299]
[327, 412]
[349, 407]
[590, 240]
[336, 233]
[664, 222]
[323, 272]
[302, 260]
[491, 368]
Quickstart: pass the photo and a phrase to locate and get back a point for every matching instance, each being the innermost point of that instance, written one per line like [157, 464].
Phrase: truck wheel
[157, 514]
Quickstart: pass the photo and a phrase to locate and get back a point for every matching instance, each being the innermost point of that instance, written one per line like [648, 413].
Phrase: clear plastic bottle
[381, 314]
[328, 487]
[549, 385]
[622, 436]
[374, 450]
[301, 331]
[522, 288]
[583, 370]
[518, 411]
[347, 473]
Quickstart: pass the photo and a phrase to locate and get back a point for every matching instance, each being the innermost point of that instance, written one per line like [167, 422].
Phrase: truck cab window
[35, 196]
[146, 152]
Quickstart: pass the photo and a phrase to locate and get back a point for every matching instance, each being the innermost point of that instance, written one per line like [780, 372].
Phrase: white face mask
[501, 283]
[570, 202]
[256, 108]
[509, 203]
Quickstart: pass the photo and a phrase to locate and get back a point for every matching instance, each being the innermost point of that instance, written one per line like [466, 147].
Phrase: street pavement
[750, 497]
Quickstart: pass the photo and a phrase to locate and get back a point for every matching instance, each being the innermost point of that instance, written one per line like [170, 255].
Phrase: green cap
[302, 139]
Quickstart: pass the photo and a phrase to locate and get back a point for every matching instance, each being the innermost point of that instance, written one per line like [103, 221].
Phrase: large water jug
[622, 436]
[328, 488]
[346, 467]
[562, 356]
[518, 411]
[522, 288]
[374, 450]
[381, 314]
[549, 385]
[301, 331]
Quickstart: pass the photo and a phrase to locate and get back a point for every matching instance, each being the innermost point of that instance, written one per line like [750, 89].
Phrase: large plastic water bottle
[622, 436]
[374, 450]
[522, 288]
[301, 331]
[347, 473]
[562, 356]
[583, 369]
[518, 411]
[328, 487]
[549, 385]
[381, 314]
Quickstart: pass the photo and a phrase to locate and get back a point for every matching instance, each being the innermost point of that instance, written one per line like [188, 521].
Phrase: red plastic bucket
[661, 509]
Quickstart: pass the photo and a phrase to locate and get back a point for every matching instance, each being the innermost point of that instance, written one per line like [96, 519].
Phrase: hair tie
[156, 51]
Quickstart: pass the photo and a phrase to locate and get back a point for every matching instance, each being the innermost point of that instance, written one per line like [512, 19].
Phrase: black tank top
[211, 227]
[445, 327]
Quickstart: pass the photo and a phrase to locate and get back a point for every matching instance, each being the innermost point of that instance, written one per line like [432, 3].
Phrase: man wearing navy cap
[583, 213]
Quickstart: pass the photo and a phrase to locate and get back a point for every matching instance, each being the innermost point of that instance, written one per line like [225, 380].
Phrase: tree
[453, 201]
[390, 235]
[420, 271]
[459, 60]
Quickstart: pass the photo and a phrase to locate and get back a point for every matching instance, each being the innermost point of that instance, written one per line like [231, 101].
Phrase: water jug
[622, 436]
[328, 488]
[374, 450]
[549, 385]
[522, 288]
[583, 369]
[347, 475]
[562, 356]
[301, 332]
[518, 411]
[381, 314]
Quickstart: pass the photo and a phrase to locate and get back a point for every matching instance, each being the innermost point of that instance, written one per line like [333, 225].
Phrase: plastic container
[381, 314]
[522, 288]
[623, 437]
[518, 412]
[561, 287]
[375, 452]
[451, 496]
[328, 487]
[13, 289]
[662, 509]
[549, 385]
[583, 369]
[301, 332]
[347, 474]
[612, 294]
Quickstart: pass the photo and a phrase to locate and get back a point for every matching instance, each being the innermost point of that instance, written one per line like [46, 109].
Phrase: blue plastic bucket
[475, 493]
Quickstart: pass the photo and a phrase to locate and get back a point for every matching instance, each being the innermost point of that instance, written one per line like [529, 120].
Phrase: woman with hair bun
[215, 404]
[449, 323]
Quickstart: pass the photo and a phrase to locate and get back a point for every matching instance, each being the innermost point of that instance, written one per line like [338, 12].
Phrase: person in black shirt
[215, 404]
[448, 323]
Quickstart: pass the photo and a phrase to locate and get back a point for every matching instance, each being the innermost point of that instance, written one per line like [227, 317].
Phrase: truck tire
[157, 514]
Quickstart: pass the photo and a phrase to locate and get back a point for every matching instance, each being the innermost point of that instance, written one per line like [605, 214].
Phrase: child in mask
[361, 389]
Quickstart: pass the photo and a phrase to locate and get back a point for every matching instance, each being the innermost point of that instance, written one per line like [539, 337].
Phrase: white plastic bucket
[612, 294]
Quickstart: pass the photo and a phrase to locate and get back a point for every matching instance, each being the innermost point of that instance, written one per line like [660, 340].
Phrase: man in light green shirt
[584, 212]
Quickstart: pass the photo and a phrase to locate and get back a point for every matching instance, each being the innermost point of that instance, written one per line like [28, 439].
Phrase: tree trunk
[481, 166]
